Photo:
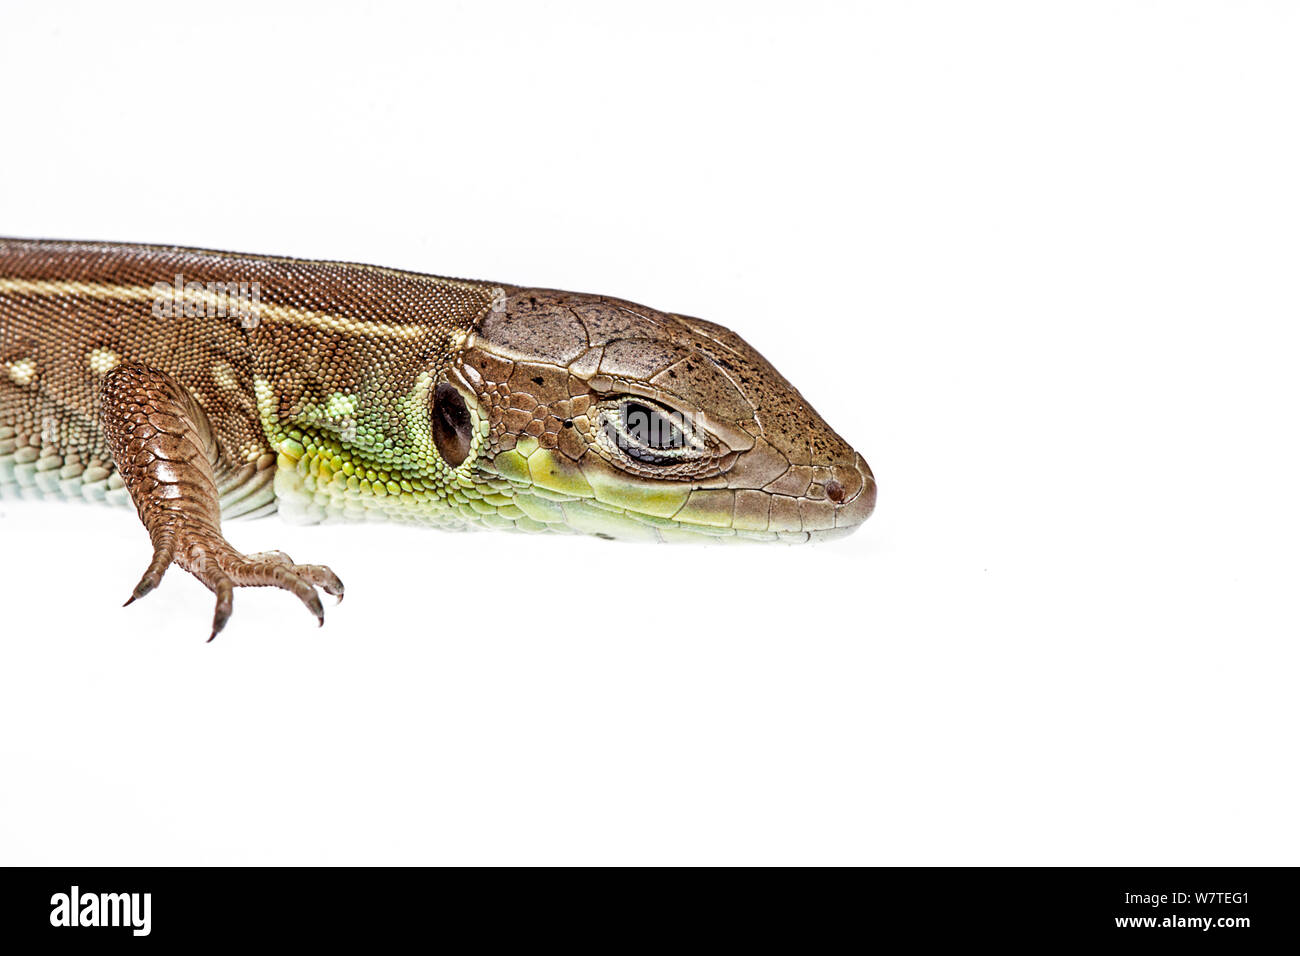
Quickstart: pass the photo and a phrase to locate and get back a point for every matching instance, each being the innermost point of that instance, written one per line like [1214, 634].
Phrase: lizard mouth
[558, 495]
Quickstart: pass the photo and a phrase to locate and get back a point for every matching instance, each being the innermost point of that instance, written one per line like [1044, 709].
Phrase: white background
[1037, 261]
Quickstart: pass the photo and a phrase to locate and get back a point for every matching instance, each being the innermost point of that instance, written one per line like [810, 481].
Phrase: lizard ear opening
[452, 428]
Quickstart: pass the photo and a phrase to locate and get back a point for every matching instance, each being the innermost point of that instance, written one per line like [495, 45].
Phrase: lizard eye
[453, 431]
[649, 433]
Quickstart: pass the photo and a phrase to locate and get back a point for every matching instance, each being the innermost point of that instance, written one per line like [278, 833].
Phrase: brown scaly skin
[360, 392]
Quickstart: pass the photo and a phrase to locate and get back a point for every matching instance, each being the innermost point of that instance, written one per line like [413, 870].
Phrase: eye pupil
[452, 427]
[650, 427]
[650, 434]
[636, 431]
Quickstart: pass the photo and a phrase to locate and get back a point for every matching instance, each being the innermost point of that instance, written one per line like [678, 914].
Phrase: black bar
[1225, 908]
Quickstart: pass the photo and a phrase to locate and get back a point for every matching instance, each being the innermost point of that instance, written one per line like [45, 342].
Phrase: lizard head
[590, 414]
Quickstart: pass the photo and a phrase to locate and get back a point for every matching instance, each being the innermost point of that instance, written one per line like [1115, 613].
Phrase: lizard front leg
[165, 450]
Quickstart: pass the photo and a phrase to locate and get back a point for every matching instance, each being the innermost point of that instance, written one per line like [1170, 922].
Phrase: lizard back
[71, 312]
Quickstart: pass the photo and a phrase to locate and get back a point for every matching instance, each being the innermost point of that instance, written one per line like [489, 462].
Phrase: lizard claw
[162, 559]
[323, 578]
[268, 569]
[224, 591]
[222, 569]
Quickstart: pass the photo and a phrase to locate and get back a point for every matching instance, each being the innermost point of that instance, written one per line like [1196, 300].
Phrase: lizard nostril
[834, 491]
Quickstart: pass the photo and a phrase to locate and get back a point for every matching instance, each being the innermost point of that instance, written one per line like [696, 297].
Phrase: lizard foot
[222, 569]
[165, 449]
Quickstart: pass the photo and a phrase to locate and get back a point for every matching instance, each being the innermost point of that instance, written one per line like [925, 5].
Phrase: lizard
[205, 386]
